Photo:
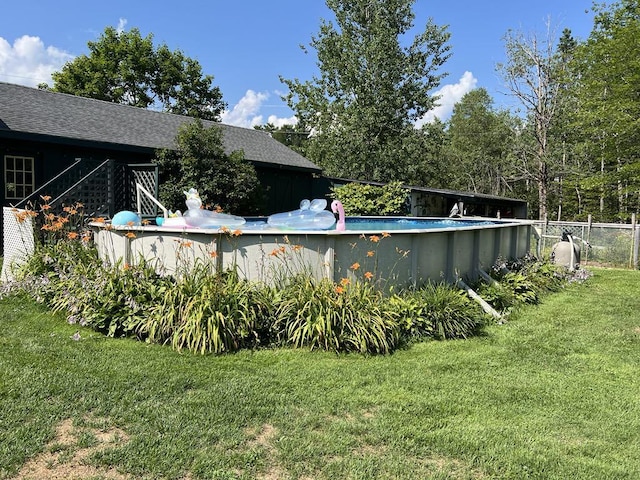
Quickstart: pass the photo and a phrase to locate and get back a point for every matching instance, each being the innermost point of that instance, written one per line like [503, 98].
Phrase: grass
[552, 394]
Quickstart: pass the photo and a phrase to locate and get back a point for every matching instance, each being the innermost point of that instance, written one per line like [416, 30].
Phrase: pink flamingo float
[336, 207]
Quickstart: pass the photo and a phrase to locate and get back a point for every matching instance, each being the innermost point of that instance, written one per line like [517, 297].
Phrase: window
[18, 177]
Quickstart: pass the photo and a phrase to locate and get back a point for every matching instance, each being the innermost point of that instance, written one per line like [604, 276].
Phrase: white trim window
[19, 181]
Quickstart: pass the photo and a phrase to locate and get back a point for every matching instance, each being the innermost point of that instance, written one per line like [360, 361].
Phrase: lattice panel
[147, 176]
[94, 192]
[122, 199]
[18, 240]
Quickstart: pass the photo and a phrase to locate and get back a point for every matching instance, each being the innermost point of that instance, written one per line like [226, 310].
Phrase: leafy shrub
[363, 199]
[199, 159]
[524, 281]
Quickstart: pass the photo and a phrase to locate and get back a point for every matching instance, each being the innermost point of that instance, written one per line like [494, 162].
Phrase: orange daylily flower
[374, 238]
[370, 253]
[368, 275]
[339, 290]
[386, 234]
[130, 235]
[72, 235]
[355, 266]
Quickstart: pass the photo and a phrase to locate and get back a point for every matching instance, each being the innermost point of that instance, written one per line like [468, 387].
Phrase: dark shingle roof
[32, 111]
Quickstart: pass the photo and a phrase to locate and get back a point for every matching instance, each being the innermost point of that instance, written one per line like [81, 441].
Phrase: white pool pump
[566, 252]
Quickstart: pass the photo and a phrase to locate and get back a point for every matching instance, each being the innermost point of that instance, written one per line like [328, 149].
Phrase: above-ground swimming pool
[403, 250]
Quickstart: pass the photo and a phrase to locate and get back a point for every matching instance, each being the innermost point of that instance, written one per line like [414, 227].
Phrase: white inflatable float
[310, 216]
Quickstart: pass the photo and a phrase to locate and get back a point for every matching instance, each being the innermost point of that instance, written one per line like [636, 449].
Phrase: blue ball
[126, 218]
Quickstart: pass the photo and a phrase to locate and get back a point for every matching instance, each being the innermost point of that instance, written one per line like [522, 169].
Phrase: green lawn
[552, 394]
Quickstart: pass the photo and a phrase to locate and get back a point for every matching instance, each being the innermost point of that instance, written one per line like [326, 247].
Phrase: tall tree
[371, 88]
[123, 67]
[427, 154]
[480, 145]
[532, 74]
[607, 98]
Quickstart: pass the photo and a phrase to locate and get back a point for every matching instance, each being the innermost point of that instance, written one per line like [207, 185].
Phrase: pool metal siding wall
[407, 257]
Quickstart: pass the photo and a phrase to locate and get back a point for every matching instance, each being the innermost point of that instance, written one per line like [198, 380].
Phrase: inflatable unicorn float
[196, 216]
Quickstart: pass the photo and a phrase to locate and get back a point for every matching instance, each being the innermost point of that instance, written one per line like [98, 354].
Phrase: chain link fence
[609, 244]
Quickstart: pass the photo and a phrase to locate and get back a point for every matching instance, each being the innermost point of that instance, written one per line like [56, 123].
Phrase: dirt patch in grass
[65, 457]
[263, 439]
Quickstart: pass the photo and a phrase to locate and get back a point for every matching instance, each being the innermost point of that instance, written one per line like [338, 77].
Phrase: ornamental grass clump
[438, 311]
[207, 313]
[347, 317]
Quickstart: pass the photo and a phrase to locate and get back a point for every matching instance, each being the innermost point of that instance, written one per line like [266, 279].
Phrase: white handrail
[140, 188]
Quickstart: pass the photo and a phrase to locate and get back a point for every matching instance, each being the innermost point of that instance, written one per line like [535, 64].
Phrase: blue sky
[247, 44]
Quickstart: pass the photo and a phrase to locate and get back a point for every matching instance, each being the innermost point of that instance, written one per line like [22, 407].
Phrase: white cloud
[246, 113]
[279, 122]
[122, 22]
[449, 96]
[28, 62]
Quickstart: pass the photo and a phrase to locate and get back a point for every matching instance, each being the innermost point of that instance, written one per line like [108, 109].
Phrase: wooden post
[485, 306]
[586, 250]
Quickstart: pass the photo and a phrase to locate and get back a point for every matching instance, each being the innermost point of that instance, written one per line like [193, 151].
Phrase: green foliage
[290, 135]
[524, 281]
[349, 318]
[207, 313]
[123, 67]
[363, 199]
[371, 89]
[439, 311]
[114, 301]
[480, 145]
[199, 161]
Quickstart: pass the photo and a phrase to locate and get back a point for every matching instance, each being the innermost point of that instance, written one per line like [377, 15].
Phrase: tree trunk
[542, 188]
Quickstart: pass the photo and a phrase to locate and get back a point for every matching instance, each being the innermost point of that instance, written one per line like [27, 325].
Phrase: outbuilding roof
[26, 112]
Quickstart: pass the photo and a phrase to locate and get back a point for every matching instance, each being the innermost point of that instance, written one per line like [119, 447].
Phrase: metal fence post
[586, 250]
[633, 257]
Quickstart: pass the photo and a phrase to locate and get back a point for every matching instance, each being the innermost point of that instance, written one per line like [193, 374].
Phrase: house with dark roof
[59, 144]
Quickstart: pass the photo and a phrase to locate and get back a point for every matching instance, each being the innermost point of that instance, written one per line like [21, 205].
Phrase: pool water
[383, 224]
[380, 224]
